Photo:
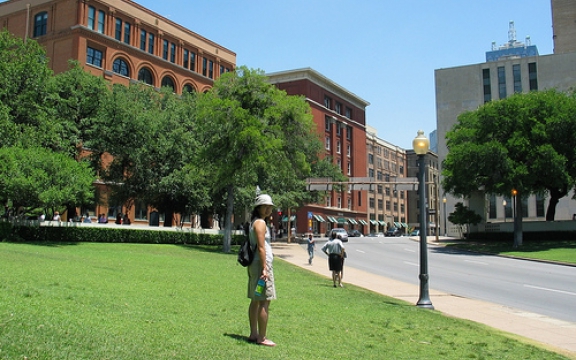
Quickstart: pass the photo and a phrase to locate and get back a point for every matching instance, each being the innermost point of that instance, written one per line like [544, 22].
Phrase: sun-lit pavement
[559, 336]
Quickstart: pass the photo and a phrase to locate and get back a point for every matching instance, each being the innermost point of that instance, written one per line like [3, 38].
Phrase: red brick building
[122, 42]
[340, 118]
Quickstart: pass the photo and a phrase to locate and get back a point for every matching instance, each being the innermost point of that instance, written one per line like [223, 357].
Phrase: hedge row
[527, 236]
[49, 234]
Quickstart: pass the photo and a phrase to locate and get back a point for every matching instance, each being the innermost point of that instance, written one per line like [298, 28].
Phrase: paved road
[541, 288]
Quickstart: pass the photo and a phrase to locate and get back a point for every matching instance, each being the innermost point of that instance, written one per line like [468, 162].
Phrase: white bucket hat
[263, 199]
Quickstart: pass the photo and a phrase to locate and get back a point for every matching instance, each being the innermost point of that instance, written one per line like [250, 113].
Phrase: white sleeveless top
[254, 241]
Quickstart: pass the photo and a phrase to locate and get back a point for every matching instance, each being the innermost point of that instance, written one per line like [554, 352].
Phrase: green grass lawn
[124, 301]
[561, 251]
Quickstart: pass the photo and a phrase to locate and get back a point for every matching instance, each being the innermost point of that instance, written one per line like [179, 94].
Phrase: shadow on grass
[497, 247]
[43, 243]
[238, 337]
[215, 249]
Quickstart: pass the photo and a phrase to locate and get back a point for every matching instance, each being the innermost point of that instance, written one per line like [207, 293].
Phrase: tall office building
[465, 88]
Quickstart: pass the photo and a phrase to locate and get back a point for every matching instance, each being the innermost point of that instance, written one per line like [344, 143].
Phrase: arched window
[40, 24]
[188, 89]
[145, 75]
[168, 82]
[121, 67]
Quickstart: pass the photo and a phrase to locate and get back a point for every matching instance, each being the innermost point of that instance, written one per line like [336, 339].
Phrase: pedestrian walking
[335, 251]
[311, 247]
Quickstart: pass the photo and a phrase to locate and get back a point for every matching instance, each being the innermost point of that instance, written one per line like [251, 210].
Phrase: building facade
[122, 42]
[387, 204]
[465, 88]
[340, 118]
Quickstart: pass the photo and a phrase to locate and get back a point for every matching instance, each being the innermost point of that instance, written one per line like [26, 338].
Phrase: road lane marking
[410, 263]
[476, 262]
[360, 251]
[552, 290]
[409, 250]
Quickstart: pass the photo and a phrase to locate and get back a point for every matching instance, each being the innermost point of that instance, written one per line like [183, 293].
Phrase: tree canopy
[523, 143]
[39, 178]
[196, 153]
[255, 134]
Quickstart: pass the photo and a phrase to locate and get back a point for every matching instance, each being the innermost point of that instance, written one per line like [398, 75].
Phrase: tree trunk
[516, 201]
[228, 220]
[555, 196]
[168, 218]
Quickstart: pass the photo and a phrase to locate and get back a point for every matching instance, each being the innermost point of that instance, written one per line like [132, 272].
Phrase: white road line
[360, 251]
[476, 262]
[410, 263]
[410, 250]
[552, 290]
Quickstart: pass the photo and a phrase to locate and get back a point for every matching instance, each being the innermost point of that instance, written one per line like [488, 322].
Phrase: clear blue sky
[383, 51]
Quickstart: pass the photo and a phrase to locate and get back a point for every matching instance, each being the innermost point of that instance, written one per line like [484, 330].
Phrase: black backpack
[246, 253]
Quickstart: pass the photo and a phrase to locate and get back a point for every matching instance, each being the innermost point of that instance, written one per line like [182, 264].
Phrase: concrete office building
[465, 88]
[124, 43]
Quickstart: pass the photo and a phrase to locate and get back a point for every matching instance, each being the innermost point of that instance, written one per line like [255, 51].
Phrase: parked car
[415, 233]
[373, 234]
[394, 231]
[355, 233]
[342, 232]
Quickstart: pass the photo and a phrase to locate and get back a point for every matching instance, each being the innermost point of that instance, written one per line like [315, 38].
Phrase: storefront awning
[405, 225]
[383, 223]
[373, 222]
[319, 218]
[397, 224]
[331, 219]
[292, 218]
[342, 220]
[363, 222]
[352, 221]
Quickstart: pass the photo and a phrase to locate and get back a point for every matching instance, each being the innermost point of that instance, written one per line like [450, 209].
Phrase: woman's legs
[253, 318]
[258, 314]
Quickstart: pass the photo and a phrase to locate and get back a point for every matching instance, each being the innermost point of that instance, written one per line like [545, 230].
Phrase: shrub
[73, 234]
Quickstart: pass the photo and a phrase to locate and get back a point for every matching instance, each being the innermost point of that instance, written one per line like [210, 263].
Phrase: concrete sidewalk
[556, 335]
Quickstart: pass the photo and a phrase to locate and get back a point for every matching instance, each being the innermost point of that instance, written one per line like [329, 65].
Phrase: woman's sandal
[267, 342]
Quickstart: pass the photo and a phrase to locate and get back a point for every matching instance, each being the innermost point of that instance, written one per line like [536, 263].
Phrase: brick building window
[145, 75]
[40, 24]
[94, 57]
[151, 43]
[118, 30]
[121, 67]
[127, 30]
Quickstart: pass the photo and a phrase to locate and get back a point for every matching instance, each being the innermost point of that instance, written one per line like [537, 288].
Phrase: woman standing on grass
[261, 268]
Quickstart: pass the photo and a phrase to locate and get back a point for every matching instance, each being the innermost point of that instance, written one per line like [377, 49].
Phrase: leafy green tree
[76, 99]
[523, 143]
[152, 138]
[463, 216]
[24, 117]
[39, 178]
[255, 134]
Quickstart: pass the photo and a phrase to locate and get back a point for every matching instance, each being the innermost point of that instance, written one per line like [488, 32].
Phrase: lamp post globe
[421, 145]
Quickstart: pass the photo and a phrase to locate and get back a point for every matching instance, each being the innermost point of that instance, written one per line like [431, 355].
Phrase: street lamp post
[445, 222]
[421, 145]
